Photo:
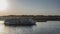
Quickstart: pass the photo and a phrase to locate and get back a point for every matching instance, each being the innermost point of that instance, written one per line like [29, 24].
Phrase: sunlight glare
[1, 26]
[1, 22]
[3, 5]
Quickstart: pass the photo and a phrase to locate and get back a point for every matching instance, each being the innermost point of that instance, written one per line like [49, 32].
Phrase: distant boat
[20, 21]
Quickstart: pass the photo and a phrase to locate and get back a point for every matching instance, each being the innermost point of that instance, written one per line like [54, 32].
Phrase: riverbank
[38, 18]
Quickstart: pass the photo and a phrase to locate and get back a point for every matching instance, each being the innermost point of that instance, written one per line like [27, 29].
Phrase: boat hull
[20, 24]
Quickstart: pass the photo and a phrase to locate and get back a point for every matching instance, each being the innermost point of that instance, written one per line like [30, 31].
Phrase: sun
[3, 5]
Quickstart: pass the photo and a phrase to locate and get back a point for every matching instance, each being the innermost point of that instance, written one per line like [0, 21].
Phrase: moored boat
[19, 21]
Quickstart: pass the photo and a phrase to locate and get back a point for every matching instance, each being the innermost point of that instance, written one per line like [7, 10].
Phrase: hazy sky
[32, 7]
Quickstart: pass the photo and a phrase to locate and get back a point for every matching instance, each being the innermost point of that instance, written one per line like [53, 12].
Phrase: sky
[32, 7]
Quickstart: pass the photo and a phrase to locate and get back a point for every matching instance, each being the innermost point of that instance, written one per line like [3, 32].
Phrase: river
[49, 27]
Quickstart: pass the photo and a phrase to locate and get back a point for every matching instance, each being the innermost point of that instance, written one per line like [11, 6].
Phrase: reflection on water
[50, 27]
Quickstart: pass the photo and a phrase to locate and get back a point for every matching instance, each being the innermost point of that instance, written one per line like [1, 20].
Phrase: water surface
[50, 27]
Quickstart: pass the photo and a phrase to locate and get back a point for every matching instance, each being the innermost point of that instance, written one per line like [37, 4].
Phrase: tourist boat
[19, 21]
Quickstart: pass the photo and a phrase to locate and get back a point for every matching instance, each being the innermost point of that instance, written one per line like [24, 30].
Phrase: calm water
[50, 27]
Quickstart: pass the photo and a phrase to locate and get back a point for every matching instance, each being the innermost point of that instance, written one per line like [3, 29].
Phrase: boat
[19, 21]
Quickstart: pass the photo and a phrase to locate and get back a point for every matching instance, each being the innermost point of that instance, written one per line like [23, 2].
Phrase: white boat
[19, 21]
